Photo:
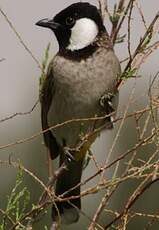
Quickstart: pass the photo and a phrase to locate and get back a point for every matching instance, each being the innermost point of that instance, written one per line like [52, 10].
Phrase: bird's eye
[70, 21]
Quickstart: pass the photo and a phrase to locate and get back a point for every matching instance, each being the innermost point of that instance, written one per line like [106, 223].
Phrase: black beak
[48, 24]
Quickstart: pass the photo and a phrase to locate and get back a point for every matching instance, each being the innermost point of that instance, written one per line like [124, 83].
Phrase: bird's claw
[69, 157]
[106, 99]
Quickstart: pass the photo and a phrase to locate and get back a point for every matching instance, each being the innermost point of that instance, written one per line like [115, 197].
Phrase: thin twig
[118, 27]
[102, 7]
[129, 29]
[21, 141]
[141, 13]
[7, 216]
[119, 158]
[117, 14]
[19, 38]
[136, 195]
[20, 113]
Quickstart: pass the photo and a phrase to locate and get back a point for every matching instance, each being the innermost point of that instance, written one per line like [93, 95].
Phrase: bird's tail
[68, 210]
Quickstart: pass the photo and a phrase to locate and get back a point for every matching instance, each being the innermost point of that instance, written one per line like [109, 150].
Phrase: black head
[75, 27]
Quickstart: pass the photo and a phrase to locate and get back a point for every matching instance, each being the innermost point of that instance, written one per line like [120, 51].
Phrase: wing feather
[46, 97]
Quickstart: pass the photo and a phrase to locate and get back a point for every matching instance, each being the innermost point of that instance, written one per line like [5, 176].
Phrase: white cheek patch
[83, 33]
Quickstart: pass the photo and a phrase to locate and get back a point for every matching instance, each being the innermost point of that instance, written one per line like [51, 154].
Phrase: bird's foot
[106, 100]
[68, 155]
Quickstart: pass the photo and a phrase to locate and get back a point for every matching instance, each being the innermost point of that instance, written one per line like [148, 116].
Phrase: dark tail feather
[69, 211]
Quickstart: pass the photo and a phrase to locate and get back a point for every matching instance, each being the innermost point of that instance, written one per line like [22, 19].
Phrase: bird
[81, 83]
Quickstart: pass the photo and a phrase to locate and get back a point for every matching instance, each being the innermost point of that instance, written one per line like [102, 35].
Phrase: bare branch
[19, 38]
[20, 113]
[103, 7]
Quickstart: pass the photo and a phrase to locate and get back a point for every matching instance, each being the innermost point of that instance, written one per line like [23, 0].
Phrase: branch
[103, 7]
[119, 22]
[132, 201]
[21, 141]
[19, 38]
[141, 46]
[20, 113]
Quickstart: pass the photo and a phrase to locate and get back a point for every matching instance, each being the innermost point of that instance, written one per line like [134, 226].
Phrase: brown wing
[46, 97]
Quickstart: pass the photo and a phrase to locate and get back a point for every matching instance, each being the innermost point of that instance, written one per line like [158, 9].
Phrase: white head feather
[83, 33]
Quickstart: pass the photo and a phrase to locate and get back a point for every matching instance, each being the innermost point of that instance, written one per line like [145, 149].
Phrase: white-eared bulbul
[80, 83]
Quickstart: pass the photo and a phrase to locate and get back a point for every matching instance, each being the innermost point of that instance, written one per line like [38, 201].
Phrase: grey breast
[78, 88]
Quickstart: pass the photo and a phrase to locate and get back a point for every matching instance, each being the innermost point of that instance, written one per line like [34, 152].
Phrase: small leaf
[129, 73]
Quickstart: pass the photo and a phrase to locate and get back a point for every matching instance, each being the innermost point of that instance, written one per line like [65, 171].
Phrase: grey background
[19, 77]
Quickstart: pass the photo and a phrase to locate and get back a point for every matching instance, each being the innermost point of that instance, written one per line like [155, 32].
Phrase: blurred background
[19, 88]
